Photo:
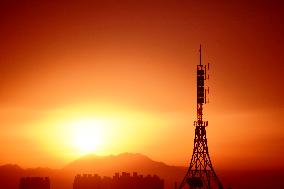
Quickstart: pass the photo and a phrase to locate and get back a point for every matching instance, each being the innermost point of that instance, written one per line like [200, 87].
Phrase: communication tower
[200, 173]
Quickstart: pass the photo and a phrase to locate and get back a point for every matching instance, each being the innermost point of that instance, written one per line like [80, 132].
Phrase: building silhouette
[34, 183]
[123, 181]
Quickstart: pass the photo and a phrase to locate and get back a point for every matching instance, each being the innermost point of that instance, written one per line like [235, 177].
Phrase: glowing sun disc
[88, 135]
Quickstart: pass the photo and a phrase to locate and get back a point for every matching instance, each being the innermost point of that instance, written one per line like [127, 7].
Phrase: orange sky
[132, 65]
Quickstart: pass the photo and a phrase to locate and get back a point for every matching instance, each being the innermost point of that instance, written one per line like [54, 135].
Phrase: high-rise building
[34, 183]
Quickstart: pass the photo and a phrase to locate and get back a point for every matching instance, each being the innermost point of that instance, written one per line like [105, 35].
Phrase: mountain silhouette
[93, 164]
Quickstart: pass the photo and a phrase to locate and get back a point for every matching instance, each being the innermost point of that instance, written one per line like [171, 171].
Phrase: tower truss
[200, 173]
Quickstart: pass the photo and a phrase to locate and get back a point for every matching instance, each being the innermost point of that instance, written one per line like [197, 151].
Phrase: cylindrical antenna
[200, 54]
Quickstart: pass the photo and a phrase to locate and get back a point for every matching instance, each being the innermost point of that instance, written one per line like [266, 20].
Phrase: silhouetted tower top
[201, 91]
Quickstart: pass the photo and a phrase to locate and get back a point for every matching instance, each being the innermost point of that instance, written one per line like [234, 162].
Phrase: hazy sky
[124, 72]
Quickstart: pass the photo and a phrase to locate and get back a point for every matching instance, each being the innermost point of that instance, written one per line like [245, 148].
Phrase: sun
[88, 135]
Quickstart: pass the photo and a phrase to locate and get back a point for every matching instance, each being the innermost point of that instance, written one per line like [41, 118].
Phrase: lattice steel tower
[200, 173]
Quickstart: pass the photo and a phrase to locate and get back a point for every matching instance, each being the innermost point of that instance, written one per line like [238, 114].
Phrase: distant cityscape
[94, 181]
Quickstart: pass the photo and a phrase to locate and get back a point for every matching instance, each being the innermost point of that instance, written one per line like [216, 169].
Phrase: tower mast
[200, 173]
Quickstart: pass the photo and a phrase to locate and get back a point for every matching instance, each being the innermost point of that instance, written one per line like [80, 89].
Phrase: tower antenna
[200, 173]
[200, 54]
